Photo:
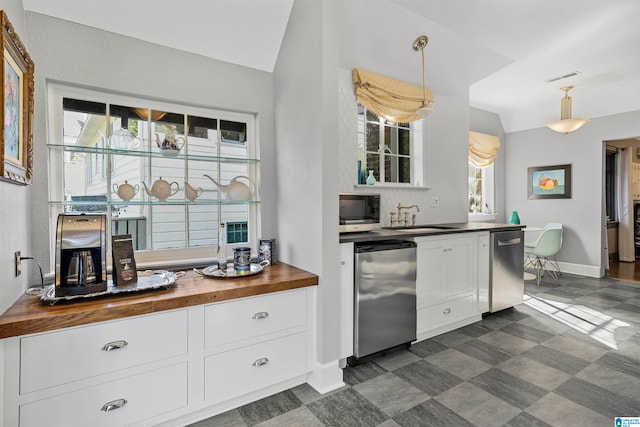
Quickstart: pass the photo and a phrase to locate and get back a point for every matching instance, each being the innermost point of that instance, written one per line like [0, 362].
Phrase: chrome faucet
[403, 218]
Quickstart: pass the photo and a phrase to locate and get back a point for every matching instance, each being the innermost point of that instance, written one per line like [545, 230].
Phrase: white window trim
[488, 193]
[166, 258]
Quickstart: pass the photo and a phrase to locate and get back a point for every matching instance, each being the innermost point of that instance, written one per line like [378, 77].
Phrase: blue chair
[543, 251]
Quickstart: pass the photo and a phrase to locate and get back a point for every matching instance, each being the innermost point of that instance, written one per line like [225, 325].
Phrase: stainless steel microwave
[359, 212]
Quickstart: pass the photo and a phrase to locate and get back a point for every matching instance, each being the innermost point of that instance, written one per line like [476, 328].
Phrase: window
[481, 194]
[237, 232]
[389, 149]
[178, 144]
[610, 184]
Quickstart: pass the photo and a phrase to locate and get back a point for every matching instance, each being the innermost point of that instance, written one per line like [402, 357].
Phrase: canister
[242, 260]
[267, 250]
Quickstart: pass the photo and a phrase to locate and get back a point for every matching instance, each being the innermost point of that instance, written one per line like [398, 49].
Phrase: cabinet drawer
[55, 358]
[441, 314]
[240, 371]
[251, 317]
[147, 395]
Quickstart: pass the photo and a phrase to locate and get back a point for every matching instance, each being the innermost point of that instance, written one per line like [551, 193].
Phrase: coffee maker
[81, 266]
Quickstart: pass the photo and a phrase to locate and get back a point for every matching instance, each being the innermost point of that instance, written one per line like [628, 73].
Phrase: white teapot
[126, 191]
[236, 190]
[161, 189]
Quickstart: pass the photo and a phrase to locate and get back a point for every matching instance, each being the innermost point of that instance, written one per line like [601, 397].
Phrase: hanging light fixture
[566, 124]
[426, 109]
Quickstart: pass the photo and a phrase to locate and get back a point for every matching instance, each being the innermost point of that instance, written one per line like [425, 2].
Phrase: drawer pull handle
[446, 310]
[115, 345]
[114, 404]
[260, 362]
[260, 315]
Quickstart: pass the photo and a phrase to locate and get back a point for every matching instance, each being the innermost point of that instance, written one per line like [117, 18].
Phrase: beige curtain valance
[392, 99]
[483, 148]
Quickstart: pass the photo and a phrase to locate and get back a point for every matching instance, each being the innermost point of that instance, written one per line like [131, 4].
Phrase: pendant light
[566, 124]
[426, 109]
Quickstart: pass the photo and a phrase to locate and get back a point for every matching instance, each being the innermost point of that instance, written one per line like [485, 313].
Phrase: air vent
[566, 76]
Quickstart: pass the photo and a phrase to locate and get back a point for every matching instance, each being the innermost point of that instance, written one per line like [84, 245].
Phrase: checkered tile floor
[569, 356]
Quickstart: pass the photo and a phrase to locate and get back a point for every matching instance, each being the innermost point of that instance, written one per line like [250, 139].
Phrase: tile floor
[569, 356]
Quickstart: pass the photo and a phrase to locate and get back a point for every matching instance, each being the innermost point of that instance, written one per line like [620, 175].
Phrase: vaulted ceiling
[503, 51]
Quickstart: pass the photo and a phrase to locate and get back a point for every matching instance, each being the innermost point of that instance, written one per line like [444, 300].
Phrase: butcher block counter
[29, 315]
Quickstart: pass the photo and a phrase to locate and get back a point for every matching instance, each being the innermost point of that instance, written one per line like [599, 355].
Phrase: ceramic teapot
[170, 144]
[126, 191]
[236, 190]
[161, 189]
[190, 192]
[122, 139]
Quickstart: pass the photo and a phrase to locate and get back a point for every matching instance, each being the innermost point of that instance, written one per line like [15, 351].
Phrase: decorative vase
[515, 219]
[371, 179]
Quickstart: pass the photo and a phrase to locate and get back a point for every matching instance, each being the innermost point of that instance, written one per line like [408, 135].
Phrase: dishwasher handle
[514, 241]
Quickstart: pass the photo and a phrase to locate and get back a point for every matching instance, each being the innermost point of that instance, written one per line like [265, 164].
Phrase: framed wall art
[549, 182]
[16, 121]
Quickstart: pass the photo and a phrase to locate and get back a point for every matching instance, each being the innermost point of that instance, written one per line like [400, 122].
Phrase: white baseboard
[326, 377]
[579, 269]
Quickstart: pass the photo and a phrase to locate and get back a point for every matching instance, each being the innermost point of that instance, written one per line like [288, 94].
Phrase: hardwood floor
[629, 271]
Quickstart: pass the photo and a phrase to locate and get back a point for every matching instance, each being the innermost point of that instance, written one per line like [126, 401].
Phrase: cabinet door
[459, 263]
[430, 273]
[346, 300]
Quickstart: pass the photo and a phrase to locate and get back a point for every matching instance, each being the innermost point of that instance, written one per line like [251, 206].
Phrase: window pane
[404, 142]
[404, 169]
[373, 137]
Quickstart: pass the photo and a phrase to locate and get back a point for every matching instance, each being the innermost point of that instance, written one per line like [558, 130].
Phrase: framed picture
[549, 182]
[16, 121]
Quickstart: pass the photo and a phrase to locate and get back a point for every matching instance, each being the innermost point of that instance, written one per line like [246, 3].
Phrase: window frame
[166, 258]
[487, 191]
[416, 150]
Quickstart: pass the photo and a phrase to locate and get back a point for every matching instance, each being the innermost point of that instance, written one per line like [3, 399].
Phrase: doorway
[622, 208]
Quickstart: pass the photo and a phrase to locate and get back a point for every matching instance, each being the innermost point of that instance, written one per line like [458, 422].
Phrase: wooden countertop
[29, 315]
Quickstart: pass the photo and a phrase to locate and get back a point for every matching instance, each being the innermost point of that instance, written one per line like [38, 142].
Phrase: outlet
[434, 201]
[18, 267]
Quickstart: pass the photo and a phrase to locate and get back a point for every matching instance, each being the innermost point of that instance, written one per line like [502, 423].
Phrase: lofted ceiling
[504, 51]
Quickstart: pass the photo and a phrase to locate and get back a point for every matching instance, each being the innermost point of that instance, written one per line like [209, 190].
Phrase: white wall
[15, 209]
[90, 57]
[582, 216]
[306, 151]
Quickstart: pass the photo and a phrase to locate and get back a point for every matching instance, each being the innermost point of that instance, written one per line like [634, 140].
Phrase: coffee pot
[82, 271]
[191, 193]
[126, 191]
[236, 190]
[161, 189]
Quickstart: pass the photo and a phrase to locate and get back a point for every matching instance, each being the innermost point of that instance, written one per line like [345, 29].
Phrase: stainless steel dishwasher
[385, 296]
[507, 270]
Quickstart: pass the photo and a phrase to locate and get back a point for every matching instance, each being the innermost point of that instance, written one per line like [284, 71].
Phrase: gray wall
[15, 209]
[89, 57]
[487, 122]
[582, 216]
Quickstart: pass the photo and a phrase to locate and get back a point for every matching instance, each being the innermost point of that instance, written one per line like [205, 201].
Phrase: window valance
[483, 148]
[392, 99]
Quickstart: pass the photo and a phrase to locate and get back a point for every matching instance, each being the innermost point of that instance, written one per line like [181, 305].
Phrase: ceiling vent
[566, 76]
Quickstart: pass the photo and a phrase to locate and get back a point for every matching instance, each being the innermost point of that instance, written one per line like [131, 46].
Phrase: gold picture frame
[16, 120]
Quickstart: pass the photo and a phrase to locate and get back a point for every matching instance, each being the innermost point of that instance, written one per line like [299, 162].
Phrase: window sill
[483, 217]
[390, 185]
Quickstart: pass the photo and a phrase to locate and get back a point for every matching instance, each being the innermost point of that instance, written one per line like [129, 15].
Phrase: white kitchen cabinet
[161, 368]
[447, 282]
